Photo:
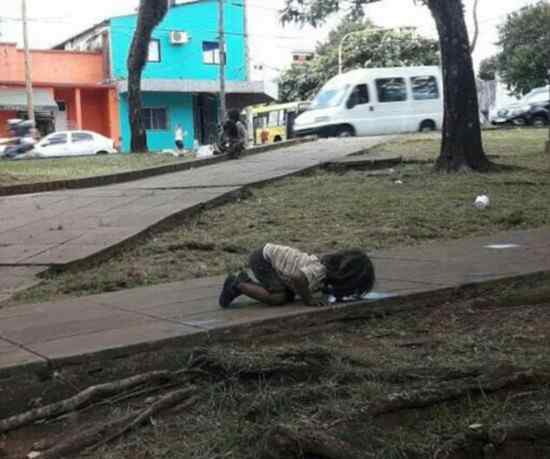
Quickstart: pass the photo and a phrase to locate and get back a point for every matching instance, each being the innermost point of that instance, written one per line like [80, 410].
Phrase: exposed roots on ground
[484, 444]
[83, 398]
[106, 433]
[490, 381]
[302, 375]
[284, 443]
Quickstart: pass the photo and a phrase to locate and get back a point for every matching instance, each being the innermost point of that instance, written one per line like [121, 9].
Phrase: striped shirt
[289, 263]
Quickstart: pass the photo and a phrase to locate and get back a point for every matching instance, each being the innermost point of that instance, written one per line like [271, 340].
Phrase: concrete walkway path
[115, 325]
[38, 231]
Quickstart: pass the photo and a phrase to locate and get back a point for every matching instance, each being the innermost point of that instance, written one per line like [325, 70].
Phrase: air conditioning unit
[179, 38]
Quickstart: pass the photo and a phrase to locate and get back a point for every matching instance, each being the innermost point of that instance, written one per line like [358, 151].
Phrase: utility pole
[548, 141]
[28, 69]
[222, 61]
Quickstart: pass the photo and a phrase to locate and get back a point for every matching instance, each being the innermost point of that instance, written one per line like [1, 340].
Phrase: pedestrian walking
[179, 136]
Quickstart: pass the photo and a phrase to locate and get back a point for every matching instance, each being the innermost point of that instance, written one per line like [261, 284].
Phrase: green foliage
[488, 69]
[525, 48]
[373, 49]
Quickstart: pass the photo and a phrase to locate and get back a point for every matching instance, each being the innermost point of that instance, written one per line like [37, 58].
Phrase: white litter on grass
[502, 246]
[482, 202]
[33, 455]
[399, 182]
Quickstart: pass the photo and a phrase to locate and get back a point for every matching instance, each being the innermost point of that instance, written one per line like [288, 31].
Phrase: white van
[376, 101]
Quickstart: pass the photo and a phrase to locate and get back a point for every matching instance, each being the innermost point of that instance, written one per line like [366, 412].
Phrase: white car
[73, 143]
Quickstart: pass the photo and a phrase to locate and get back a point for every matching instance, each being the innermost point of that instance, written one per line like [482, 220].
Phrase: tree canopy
[488, 69]
[374, 48]
[461, 146]
[524, 40]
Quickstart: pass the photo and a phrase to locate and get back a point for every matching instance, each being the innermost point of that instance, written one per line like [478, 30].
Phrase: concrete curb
[48, 379]
[111, 179]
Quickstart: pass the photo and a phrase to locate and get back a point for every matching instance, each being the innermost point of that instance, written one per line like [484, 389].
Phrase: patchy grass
[323, 211]
[337, 381]
[44, 170]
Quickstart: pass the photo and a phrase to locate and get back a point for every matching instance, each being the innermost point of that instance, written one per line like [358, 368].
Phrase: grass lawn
[468, 379]
[43, 170]
[324, 211]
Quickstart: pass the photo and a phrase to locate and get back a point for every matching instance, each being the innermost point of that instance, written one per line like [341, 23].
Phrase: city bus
[275, 123]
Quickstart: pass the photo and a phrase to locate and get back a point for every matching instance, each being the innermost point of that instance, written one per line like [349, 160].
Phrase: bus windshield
[329, 97]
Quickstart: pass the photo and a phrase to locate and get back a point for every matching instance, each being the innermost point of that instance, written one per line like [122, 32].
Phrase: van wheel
[539, 121]
[102, 152]
[277, 139]
[427, 126]
[345, 131]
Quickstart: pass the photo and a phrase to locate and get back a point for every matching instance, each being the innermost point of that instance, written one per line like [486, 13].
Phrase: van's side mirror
[352, 102]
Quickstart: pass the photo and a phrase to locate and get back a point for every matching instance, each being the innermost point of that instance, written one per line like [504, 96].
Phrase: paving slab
[123, 322]
[63, 227]
[13, 356]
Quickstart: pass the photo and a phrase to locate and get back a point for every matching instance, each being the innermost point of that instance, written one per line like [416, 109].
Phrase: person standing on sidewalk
[179, 136]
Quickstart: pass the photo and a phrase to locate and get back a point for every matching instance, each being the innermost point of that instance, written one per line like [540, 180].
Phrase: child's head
[349, 272]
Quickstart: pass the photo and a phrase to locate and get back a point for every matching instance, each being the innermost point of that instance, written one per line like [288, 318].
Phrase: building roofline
[78, 35]
[107, 21]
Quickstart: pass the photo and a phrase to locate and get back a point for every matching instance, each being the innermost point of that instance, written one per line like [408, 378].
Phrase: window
[424, 88]
[82, 137]
[155, 119]
[391, 90]
[57, 139]
[210, 52]
[329, 97]
[359, 96]
[277, 118]
[153, 54]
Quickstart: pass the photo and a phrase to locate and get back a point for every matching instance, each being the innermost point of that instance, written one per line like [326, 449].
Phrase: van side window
[391, 89]
[424, 88]
[359, 96]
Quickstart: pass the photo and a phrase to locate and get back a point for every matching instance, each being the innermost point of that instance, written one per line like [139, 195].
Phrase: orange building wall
[95, 115]
[4, 117]
[52, 66]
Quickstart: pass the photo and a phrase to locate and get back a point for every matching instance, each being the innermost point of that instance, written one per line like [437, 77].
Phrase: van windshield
[329, 97]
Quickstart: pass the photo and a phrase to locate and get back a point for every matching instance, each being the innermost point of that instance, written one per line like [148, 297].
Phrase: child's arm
[301, 286]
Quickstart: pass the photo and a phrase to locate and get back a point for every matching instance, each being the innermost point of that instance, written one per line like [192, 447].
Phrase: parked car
[72, 143]
[376, 101]
[532, 110]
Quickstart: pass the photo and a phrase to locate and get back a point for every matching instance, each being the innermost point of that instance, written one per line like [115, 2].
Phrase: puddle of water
[502, 246]
[372, 296]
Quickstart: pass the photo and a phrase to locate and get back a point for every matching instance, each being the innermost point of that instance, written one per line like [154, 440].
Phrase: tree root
[99, 436]
[283, 443]
[478, 444]
[499, 379]
[83, 398]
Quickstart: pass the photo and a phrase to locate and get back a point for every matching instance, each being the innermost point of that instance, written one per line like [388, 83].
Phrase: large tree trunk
[462, 147]
[151, 13]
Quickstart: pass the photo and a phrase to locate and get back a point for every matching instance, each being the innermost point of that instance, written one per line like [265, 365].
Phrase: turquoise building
[180, 83]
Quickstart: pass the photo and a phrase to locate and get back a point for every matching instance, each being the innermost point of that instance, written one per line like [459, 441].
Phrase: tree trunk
[462, 147]
[150, 14]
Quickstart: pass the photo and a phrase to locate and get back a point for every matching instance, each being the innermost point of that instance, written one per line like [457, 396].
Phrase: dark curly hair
[349, 273]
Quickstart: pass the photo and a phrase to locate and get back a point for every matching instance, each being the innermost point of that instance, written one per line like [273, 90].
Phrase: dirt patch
[464, 380]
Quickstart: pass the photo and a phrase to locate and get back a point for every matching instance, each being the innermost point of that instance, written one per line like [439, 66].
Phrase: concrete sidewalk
[38, 231]
[127, 323]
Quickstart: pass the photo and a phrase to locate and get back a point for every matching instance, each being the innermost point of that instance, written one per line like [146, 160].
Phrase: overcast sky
[53, 21]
